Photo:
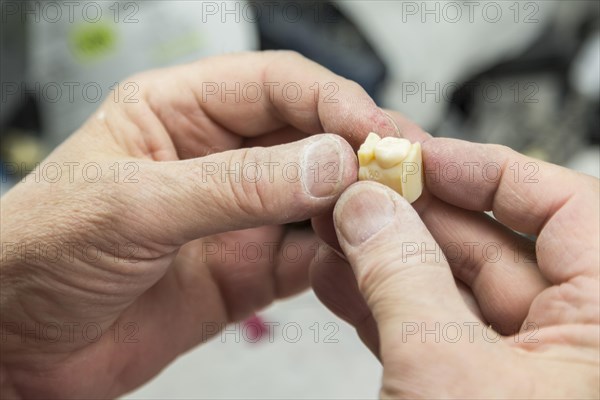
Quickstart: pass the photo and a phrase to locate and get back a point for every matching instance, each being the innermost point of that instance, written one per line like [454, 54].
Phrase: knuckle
[249, 194]
[379, 277]
[291, 54]
[375, 276]
[502, 149]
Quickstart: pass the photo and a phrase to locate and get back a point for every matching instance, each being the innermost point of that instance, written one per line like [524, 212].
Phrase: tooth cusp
[394, 162]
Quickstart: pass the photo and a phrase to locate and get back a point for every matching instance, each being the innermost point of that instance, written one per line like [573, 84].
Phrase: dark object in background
[539, 113]
[12, 64]
[319, 31]
[20, 143]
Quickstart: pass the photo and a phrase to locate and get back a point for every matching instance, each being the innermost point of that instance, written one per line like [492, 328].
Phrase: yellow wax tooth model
[394, 162]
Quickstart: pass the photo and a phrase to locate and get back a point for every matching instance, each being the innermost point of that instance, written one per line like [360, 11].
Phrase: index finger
[251, 94]
[527, 195]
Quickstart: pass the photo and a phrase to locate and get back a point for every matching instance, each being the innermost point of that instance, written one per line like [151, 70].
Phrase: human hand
[456, 304]
[111, 259]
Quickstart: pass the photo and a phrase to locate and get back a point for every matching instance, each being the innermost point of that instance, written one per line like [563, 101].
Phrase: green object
[90, 42]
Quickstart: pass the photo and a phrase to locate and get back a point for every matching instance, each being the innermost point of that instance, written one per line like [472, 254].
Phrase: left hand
[127, 272]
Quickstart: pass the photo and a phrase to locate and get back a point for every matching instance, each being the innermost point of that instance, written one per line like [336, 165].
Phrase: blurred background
[521, 73]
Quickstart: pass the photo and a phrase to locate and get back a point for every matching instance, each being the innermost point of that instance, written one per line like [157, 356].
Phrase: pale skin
[171, 290]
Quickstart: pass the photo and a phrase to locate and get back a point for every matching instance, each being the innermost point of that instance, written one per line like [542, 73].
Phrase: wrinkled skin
[513, 318]
[155, 286]
[158, 281]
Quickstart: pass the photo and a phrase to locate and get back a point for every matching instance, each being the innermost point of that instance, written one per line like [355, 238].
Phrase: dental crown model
[394, 162]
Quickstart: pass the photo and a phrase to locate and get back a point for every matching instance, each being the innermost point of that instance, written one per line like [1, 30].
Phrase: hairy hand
[125, 255]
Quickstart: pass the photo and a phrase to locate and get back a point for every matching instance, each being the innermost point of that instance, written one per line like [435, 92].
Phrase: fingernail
[392, 125]
[364, 214]
[339, 253]
[323, 167]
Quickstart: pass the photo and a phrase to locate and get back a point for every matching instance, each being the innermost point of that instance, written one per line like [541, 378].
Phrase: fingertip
[349, 164]
[330, 165]
[363, 211]
[405, 128]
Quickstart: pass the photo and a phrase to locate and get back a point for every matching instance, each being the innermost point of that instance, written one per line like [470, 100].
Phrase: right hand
[427, 314]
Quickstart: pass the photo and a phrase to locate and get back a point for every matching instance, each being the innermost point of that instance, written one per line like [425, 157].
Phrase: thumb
[399, 267]
[406, 282]
[251, 187]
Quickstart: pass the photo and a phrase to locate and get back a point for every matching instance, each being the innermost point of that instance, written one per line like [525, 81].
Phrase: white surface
[587, 161]
[585, 74]
[153, 34]
[226, 368]
[436, 50]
